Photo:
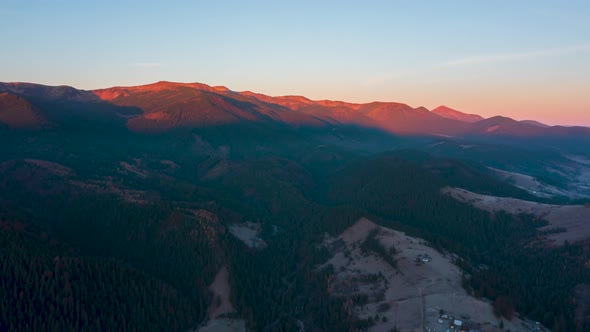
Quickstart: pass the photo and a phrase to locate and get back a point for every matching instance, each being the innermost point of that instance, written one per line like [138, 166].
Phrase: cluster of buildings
[423, 258]
[452, 324]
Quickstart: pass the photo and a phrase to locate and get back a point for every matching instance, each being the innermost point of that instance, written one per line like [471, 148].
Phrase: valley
[203, 208]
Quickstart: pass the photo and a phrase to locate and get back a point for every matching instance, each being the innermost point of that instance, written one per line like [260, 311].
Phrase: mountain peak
[221, 88]
[449, 113]
[47, 92]
[167, 85]
[500, 118]
[124, 91]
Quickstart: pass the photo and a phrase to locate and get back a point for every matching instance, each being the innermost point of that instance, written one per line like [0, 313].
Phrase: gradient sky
[523, 59]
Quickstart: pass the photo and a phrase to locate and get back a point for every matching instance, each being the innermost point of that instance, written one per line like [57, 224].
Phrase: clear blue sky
[525, 59]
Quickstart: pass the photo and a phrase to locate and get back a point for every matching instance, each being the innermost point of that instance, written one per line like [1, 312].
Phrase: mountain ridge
[450, 113]
[168, 105]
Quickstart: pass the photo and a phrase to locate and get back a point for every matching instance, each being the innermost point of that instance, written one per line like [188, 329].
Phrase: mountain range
[165, 106]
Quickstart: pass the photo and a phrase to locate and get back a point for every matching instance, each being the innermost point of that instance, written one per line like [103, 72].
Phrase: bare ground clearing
[578, 187]
[220, 306]
[529, 183]
[220, 288]
[248, 233]
[410, 296]
[574, 218]
[224, 325]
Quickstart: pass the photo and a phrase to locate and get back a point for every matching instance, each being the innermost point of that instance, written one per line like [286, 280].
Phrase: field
[574, 219]
[410, 295]
[578, 176]
[248, 234]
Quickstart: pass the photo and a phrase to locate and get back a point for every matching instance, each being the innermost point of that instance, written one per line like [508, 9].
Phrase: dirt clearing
[220, 288]
[221, 306]
[529, 183]
[410, 295]
[224, 325]
[248, 233]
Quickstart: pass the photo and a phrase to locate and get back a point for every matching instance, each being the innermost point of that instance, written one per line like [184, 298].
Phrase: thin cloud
[147, 64]
[503, 57]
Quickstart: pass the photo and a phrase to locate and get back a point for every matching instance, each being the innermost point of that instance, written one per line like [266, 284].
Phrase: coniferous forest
[127, 231]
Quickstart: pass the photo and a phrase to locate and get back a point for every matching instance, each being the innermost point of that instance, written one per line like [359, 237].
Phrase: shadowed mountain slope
[17, 112]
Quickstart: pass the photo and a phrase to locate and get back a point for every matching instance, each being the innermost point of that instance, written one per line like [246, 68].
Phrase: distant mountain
[169, 105]
[164, 106]
[333, 112]
[390, 116]
[535, 123]
[403, 119]
[503, 126]
[499, 125]
[449, 113]
[45, 92]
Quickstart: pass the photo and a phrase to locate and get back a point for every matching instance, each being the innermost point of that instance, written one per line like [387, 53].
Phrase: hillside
[407, 284]
[175, 105]
[17, 112]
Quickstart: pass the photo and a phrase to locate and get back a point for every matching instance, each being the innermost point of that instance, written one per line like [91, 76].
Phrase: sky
[523, 59]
